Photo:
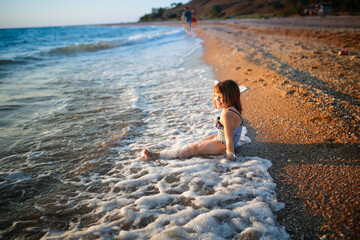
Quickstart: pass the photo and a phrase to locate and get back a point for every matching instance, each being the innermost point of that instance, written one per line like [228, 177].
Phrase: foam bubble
[195, 198]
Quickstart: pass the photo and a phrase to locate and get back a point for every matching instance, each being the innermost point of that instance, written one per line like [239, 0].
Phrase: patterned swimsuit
[221, 134]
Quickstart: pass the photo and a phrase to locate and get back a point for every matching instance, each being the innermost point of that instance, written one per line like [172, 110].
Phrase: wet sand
[302, 112]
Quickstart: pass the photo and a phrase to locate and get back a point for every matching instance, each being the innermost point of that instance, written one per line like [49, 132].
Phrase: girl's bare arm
[229, 124]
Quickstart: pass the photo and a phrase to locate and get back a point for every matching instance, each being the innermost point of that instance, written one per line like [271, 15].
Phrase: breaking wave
[105, 45]
[78, 48]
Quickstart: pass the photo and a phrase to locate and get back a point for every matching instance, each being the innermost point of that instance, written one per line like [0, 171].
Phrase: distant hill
[215, 9]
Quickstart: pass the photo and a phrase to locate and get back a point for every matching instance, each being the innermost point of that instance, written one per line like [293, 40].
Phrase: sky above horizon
[40, 13]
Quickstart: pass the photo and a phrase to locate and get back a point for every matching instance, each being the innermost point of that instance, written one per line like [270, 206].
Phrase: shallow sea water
[76, 112]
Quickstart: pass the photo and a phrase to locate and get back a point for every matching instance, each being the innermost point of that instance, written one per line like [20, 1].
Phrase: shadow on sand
[297, 217]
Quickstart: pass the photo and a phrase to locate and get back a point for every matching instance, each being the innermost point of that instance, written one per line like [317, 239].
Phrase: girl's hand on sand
[230, 155]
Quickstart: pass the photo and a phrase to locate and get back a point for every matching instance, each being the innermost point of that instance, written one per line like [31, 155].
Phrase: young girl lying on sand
[229, 124]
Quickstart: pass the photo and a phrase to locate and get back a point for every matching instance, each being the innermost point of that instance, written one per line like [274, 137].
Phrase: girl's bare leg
[211, 137]
[212, 147]
[208, 145]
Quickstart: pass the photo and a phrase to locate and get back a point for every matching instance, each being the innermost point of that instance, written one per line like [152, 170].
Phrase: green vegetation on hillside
[221, 9]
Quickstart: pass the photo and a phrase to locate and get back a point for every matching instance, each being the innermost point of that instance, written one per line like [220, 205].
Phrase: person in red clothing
[193, 18]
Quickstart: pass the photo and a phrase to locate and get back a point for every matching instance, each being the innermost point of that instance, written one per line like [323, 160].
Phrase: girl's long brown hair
[231, 93]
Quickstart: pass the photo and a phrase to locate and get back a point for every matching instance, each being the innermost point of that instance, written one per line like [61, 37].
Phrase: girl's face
[219, 100]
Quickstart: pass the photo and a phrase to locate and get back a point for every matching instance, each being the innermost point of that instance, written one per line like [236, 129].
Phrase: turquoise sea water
[77, 107]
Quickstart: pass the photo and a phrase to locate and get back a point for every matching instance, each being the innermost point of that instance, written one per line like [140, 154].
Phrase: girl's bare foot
[148, 156]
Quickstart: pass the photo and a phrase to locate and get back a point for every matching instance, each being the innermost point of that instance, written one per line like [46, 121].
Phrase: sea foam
[197, 198]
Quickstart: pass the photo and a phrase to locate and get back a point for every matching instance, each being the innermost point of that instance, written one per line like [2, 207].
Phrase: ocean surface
[77, 107]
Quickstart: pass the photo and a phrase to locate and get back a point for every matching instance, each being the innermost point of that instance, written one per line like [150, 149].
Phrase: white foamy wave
[79, 48]
[197, 45]
[105, 45]
[131, 98]
[197, 198]
[153, 35]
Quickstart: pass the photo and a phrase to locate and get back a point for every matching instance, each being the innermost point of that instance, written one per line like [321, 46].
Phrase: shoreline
[301, 112]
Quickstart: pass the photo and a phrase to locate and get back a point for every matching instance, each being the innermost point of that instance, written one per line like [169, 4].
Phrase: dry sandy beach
[302, 112]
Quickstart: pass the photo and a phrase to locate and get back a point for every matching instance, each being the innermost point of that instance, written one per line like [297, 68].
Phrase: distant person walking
[193, 18]
[187, 18]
